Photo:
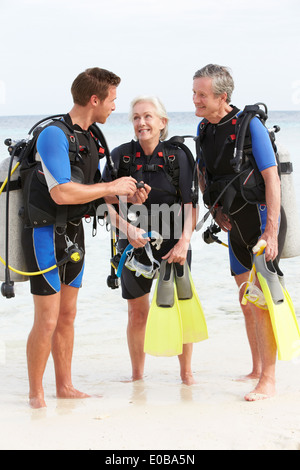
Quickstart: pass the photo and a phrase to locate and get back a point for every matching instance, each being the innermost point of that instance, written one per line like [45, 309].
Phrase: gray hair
[159, 109]
[222, 81]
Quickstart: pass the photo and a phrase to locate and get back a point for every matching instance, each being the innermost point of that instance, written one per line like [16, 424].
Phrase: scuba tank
[291, 243]
[288, 242]
[13, 204]
[11, 224]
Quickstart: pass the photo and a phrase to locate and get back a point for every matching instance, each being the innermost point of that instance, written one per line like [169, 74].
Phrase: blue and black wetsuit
[248, 220]
[45, 246]
[152, 169]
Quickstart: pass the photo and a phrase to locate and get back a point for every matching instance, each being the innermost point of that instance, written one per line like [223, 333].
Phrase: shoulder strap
[202, 127]
[29, 151]
[127, 163]
[242, 125]
[97, 134]
[171, 167]
[74, 147]
[177, 142]
[104, 151]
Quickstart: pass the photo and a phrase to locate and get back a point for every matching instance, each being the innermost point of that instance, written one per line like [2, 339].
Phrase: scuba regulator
[74, 253]
[210, 235]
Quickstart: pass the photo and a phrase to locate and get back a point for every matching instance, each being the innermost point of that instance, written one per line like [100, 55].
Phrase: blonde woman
[151, 160]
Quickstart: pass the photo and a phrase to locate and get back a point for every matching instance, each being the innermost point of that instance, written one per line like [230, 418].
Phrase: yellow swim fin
[193, 321]
[281, 309]
[163, 335]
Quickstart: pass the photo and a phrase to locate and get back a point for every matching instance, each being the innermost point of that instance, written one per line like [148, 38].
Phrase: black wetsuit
[248, 220]
[152, 170]
[45, 246]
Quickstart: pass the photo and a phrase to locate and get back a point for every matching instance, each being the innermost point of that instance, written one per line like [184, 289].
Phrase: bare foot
[188, 379]
[133, 379]
[37, 402]
[245, 378]
[71, 393]
[265, 389]
[253, 396]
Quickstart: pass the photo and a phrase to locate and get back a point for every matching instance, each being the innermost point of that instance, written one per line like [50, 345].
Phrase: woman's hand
[135, 236]
[178, 253]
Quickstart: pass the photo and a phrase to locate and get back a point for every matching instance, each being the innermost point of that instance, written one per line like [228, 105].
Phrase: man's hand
[222, 220]
[271, 250]
[141, 195]
[125, 186]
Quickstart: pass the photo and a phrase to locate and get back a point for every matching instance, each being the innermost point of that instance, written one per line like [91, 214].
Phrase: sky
[155, 46]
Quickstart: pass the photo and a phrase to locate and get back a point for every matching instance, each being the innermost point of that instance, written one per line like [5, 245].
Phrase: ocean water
[102, 313]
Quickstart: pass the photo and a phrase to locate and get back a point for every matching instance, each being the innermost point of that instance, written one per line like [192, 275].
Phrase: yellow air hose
[5, 181]
[23, 273]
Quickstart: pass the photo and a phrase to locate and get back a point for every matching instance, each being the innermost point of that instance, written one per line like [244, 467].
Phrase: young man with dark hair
[55, 293]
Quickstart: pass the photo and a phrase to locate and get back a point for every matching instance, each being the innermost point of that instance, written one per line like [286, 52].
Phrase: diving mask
[129, 260]
[255, 296]
[145, 270]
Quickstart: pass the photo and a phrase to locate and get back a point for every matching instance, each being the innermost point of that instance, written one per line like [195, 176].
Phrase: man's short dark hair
[93, 81]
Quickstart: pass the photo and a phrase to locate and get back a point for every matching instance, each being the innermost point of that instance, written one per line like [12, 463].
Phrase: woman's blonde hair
[159, 108]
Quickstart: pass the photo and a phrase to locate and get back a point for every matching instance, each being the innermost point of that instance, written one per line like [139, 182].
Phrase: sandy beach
[156, 48]
[158, 413]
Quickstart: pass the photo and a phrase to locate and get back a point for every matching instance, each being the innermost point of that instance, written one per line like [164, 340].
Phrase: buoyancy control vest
[85, 150]
[162, 172]
[239, 181]
[165, 167]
